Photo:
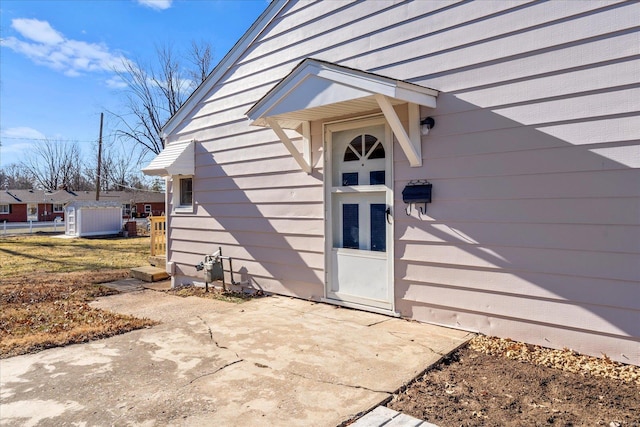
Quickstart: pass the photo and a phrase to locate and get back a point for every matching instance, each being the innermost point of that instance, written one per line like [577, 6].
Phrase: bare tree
[15, 177]
[144, 118]
[118, 168]
[155, 93]
[117, 171]
[54, 164]
[201, 58]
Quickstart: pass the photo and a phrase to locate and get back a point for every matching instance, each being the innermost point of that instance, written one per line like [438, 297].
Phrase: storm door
[32, 211]
[359, 230]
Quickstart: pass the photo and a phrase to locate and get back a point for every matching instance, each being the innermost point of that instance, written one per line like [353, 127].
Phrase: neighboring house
[294, 154]
[33, 205]
[40, 205]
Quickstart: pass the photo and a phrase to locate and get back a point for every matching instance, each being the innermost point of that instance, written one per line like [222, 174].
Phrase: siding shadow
[270, 223]
[533, 227]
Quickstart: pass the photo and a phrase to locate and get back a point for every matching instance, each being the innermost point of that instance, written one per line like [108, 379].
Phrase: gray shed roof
[94, 204]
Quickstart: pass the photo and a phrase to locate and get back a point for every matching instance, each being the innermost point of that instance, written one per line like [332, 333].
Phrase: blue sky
[57, 59]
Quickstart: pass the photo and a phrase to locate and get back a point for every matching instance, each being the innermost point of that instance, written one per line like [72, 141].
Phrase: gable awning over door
[177, 158]
[318, 90]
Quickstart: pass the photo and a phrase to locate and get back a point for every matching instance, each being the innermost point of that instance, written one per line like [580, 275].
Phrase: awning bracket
[410, 143]
[303, 159]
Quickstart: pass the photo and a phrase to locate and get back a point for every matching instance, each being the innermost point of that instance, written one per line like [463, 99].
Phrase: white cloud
[116, 82]
[15, 150]
[16, 142]
[156, 4]
[22, 132]
[36, 30]
[45, 46]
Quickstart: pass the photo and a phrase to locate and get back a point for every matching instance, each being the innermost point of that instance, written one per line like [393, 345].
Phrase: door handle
[388, 212]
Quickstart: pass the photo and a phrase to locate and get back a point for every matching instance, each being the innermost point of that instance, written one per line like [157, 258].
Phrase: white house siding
[533, 232]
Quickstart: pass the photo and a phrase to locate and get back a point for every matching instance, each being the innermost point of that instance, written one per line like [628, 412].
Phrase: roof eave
[366, 84]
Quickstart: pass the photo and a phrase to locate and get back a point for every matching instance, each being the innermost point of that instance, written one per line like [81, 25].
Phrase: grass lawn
[46, 284]
[21, 255]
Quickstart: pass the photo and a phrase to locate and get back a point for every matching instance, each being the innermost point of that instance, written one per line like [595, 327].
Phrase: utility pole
[99, 160]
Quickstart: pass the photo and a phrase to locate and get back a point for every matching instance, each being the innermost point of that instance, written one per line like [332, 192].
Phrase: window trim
[60, 205]
[149, 210]
[2, 211]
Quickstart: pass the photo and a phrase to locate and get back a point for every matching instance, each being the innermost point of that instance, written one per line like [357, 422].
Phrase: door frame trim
[327, 129]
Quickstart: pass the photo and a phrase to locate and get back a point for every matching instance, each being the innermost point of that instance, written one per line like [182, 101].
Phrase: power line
[113, 181]
[22, 138]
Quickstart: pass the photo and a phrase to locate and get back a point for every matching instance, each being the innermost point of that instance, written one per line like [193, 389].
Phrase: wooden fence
[158, 235]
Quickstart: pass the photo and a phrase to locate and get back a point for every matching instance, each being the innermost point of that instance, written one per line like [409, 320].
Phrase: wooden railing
[158, 235]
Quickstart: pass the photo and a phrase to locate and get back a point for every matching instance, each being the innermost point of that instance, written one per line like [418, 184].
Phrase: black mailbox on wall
[417, 192]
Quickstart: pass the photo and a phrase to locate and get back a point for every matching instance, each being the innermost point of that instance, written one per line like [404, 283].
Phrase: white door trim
[337, 126]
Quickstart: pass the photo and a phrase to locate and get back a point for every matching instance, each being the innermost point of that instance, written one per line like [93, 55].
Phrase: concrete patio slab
[268, 361]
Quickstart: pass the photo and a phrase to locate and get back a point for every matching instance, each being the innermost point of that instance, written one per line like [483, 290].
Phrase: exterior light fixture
[426, 124]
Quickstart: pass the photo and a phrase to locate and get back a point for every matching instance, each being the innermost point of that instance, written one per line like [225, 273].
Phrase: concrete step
[158, 261]
[383, 416]
[149, 273]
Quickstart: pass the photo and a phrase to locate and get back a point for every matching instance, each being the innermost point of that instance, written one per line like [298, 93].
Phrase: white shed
[93, 218]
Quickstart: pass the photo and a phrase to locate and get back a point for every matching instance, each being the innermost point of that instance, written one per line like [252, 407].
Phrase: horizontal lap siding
[533, 231]
[462, 47]
[264, 254]
[579, 237]
[610, 47]
[250, 195]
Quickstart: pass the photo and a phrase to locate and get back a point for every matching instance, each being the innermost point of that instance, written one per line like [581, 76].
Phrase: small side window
[183, 195]
[4, 209]
[186, 192]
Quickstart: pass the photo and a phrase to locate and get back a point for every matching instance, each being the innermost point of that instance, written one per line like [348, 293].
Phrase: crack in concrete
[261, 365]
[316, 314]
[214, 340]
[417, 342]
[341, 384]
[213, 372]
[209, 328]
[378, 322]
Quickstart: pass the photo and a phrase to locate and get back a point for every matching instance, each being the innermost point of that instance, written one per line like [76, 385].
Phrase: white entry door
[359, 226]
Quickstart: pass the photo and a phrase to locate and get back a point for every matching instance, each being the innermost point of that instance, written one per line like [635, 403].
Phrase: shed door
[358, 202]
[71, 220]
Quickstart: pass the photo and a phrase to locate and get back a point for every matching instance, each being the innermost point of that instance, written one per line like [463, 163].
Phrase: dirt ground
[471, 388]
[52, 310]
